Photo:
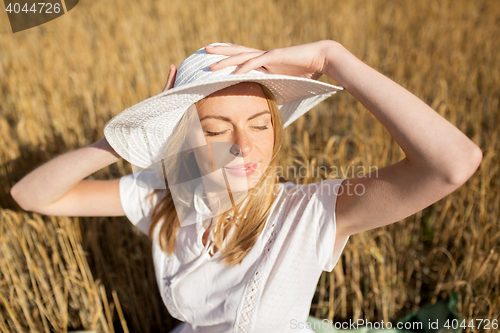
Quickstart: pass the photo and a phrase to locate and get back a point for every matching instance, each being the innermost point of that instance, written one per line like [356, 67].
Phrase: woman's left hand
[306, 60]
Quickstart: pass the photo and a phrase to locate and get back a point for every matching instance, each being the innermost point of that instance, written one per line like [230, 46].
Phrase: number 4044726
[484, 324]
[35, 8]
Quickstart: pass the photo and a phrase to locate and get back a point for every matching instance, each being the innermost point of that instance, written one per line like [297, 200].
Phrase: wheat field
[62, 81]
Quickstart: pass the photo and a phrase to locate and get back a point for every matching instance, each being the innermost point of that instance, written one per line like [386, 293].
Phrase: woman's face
[237, 115]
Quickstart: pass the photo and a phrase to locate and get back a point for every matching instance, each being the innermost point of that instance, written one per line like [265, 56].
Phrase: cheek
[267, 144]
[271, 144]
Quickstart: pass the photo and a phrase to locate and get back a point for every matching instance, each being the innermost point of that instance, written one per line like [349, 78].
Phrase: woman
[215, 271]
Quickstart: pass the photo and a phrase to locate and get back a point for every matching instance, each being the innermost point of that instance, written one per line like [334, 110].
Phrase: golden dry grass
[61, 82]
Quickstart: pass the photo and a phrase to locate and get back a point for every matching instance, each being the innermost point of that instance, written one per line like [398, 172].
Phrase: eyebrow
[229, 120]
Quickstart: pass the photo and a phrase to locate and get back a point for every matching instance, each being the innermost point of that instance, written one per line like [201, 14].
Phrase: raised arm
[58, 186]
[439, 158]
[429, 141]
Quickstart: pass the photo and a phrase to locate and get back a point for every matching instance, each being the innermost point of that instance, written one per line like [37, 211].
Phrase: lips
[242, 170]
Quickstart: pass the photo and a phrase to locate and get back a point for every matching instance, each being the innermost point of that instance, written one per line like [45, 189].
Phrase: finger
[171, 78]
[174, 74]
[229, 50]
[253, 63]
[234, 60]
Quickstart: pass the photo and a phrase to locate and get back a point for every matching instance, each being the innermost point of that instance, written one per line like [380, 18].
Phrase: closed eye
[214, 133]
[261, 128]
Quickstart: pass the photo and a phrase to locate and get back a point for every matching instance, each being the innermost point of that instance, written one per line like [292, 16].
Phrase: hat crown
[196, 67]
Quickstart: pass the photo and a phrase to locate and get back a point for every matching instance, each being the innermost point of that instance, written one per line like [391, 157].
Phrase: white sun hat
[139, 133]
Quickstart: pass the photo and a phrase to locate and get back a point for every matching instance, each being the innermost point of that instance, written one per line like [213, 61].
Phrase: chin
[252, 182]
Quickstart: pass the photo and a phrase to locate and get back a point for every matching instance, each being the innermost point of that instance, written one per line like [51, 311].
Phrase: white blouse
[272, 287]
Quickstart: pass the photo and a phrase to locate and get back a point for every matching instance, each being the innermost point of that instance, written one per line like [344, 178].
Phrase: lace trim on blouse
[248, 307]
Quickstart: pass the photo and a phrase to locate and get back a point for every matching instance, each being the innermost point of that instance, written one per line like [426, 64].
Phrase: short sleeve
[328, 246]
[134, 197]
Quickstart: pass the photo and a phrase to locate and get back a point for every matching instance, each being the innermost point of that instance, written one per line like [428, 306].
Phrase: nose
[241, 146]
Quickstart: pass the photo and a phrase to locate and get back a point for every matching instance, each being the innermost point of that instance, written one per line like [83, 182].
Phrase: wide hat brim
[139, 133]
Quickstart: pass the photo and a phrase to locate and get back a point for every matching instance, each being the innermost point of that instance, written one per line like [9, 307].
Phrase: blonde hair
[255, 209]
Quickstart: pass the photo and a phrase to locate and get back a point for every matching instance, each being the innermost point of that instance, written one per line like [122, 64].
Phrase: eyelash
[214, 133]
[262, 128]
